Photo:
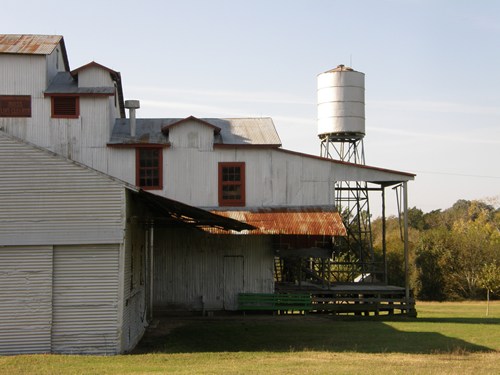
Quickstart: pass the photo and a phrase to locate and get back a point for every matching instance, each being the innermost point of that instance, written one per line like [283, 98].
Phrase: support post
[405, 237]
[384, 242]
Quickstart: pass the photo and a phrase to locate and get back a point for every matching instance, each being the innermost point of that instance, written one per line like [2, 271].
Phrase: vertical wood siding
[85, 299]
[135, 279]
[25, 299]
[189, 268]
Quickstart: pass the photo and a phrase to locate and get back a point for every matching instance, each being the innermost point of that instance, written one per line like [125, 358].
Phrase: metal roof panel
[306, 220]
[233, 131]
[29, 44]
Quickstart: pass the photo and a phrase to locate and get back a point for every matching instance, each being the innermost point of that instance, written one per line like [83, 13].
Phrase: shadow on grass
[297, 334]
[485, 320]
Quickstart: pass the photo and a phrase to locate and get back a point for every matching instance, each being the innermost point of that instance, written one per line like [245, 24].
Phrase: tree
[489, 279]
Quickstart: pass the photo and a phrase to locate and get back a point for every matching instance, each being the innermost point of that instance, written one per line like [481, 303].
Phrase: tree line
[454, 253]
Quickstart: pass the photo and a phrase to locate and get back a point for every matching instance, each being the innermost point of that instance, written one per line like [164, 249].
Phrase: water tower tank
[341, 103]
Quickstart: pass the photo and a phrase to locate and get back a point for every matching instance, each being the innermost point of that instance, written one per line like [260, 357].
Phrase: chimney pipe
[132, 105]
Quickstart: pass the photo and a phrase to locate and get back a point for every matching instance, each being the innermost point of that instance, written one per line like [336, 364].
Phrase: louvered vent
[65, 106]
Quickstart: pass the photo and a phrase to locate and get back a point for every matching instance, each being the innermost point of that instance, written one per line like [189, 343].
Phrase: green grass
[446, 338]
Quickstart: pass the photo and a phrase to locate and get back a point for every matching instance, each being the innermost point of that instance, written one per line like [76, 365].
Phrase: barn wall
[94, 76]
[47, 200]
[85, 299]
[192, 135]
[190, 268]
[272, 178]
[25, 299]
[135, 277]
[82, 139]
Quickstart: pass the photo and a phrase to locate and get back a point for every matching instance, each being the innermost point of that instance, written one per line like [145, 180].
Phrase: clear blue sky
[432, 72]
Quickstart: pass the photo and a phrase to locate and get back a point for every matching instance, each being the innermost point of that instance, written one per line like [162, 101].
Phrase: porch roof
[173, 212]
[302, 220]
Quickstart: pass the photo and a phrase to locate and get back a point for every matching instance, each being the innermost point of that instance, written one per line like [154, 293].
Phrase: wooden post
[409, 310]
[384, 242]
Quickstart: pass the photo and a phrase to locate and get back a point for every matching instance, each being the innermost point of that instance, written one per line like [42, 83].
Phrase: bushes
[453, 251]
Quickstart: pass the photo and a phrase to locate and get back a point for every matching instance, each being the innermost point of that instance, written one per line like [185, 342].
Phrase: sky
[431, 67]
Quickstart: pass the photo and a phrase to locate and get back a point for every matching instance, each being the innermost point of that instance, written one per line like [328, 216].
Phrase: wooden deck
[354, 298]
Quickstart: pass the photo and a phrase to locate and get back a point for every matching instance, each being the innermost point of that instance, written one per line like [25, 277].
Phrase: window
[149, 167]
[65, 107]
[231, 184]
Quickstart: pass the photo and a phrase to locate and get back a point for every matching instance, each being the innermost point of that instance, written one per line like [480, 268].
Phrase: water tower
[341, 129]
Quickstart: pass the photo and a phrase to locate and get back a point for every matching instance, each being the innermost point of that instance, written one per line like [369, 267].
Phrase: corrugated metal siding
[25, 299]
[48, 200]
[82, 139]
[189, 267]
[85, 299]
[134, 280]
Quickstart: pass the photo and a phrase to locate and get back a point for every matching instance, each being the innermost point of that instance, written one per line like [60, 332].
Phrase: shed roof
[233, 131]
[304, 220]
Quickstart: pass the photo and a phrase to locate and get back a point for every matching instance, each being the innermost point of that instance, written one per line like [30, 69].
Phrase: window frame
[138, 167]
[53, 106]
[232, 202]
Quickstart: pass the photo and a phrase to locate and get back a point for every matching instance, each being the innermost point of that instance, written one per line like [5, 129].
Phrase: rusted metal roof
[29, 44]
[307, 220]
[172, 212]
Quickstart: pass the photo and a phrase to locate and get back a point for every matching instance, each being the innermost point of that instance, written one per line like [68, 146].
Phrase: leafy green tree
[489, 279]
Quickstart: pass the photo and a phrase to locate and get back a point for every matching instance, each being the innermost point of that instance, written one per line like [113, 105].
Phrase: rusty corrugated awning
[304, 220]
[172, 212]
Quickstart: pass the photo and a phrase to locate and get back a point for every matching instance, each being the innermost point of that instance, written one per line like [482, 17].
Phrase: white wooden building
[232, 167]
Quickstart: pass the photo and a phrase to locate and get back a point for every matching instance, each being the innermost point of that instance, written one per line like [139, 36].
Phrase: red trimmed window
[231, 184]
[65, 106]
[149, 168]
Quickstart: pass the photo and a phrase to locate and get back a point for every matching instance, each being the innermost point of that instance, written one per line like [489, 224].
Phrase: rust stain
[301, 220]
[28, 44]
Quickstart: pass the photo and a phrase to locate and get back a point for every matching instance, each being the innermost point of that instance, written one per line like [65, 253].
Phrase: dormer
[91, 80]
[191, 132]
[95, 75]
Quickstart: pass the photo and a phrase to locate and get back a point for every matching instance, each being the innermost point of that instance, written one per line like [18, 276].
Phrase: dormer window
[65, 106]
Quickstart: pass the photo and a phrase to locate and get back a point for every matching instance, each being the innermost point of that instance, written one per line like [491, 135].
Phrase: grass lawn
[446, 338]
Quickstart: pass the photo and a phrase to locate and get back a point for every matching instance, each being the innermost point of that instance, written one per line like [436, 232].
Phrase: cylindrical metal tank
[341, 103]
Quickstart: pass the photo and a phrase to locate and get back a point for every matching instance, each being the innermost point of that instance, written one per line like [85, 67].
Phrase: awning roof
[173, 212]
[305, 220]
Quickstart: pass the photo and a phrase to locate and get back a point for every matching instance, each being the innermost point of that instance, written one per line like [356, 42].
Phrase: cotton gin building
[251, 212]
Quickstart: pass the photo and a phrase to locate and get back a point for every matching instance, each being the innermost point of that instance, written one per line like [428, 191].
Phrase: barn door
[233, 280]
[85, 299]
[25, 299]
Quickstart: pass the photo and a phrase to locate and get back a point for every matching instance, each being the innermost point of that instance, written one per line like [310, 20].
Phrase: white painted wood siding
[272, 178]
[82, 139]
[192, 135]
[25, 299]
[94, 76]
[49, 200]
[85, 299]
[189, 268]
